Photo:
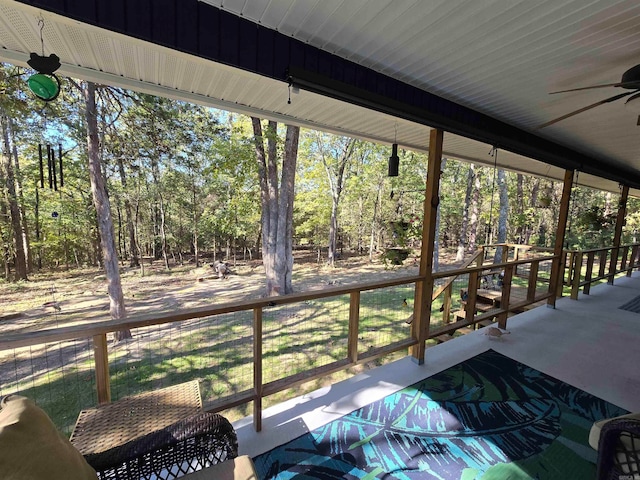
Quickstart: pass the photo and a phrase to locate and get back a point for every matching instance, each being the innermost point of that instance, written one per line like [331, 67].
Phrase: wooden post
[533, 280]
[625, 256]
[602, 263]
[577, 271]
[563, 271]
[504, 254]
[354, 321]
[424, 287]
[632, 260]
[446, 304]
[589, 273]
[472, 296]
[257, 369]
[505, 298]
[101, 359]
[556, 271]
[620, 220]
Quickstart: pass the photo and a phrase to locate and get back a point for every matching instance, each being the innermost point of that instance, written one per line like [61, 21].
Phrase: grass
[218, 351]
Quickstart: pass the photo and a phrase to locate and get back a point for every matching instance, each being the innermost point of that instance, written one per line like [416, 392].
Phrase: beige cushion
[240, 468]
[31, 448]
[596, 428]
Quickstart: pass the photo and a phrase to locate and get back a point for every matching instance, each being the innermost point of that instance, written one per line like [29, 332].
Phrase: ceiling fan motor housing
[631, 78]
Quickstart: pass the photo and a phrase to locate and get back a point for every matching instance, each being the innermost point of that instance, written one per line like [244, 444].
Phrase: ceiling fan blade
[588, 107]
[617, 84]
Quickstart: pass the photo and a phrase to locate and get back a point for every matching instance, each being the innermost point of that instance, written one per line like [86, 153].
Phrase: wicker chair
[619, 449]
[196, 442]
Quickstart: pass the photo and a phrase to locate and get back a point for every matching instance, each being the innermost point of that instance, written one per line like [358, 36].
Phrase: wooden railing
[362, 312]
[586, 267]
[98, 333]
[478, 304]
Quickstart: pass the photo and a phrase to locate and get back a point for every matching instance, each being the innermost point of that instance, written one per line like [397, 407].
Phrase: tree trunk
[285, 209]
[520, 207]
[23, 217]
[374, 222]
[475, 214]
[105, 222]
[534, 202]
[133, 248]
[337, 180]
[462, 236]
[277, 206]
[504, 212]
[436, 245]
[196, 251]
[12, 200]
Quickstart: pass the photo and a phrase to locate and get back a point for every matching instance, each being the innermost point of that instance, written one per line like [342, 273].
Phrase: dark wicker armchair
[619, 449]
[196, 442]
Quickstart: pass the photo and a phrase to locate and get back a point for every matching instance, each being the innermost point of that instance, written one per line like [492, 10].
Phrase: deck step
[485, 323]
[445, 337]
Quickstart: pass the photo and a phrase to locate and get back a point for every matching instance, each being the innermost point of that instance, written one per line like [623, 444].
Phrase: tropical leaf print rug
[489, 417]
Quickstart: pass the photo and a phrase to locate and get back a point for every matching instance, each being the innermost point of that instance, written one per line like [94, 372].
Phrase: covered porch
[591, 344]
[250, 350]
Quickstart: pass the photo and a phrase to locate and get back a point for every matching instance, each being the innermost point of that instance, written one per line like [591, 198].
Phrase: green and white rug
[489, 417]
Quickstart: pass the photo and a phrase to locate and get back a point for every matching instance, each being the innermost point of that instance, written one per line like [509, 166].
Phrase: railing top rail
[601, 249]
[87, 330]
[520, 245]
[492, 266]
[470, 261]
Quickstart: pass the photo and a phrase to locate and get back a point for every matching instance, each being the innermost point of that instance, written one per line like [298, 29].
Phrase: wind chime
[54, 169]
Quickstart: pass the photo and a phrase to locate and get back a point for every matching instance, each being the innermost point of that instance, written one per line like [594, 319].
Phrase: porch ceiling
[499, 57]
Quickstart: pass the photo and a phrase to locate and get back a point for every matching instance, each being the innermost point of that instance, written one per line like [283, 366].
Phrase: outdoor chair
[31, 448]
[191, 444]
[618, 443]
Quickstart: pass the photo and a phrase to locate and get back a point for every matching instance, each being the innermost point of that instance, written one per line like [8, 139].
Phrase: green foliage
[192, 170]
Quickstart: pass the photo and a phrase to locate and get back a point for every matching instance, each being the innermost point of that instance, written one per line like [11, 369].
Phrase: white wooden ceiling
[500, 57]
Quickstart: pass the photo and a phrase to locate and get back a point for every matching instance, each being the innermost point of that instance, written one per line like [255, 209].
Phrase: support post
[505, 299]
[589, 273]
[620, 220]
[533, 280]
[257, 369]
[556, 271]
[632, 260]
[101, 359]
[424, 287]
[577, 271]
[446, 305]
[602, 263]
[354, 321]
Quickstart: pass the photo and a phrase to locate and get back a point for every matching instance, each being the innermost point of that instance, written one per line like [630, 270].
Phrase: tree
[12, 200]
[277, 205]
[462, 237]
[336, 154]
[504, 213]
[103, 210]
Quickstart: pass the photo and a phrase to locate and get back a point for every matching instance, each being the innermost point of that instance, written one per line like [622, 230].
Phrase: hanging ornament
[45, 84]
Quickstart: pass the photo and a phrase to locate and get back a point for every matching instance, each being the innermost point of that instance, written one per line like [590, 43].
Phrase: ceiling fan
[630, 81]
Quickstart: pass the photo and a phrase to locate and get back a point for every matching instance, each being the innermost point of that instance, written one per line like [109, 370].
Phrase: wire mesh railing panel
[302, 336]
[59, 377]
[384, 313]
[217, 351]
[458, 293]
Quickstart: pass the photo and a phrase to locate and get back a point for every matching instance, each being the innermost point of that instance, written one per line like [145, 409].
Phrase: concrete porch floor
[589, 343]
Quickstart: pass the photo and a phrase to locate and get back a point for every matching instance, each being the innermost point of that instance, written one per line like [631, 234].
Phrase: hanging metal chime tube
[60, 162]
[41, 165]
[49, 166]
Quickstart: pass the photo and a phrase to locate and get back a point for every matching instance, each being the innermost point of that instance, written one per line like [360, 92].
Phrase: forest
[186, 182]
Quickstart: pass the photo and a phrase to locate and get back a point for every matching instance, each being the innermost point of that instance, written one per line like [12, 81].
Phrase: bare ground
[60, 298]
